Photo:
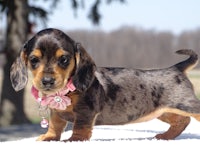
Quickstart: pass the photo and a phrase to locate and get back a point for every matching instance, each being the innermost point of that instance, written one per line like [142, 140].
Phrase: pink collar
[59, 100]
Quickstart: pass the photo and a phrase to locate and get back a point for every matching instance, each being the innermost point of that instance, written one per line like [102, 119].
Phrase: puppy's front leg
[56, 127]
[83, 126]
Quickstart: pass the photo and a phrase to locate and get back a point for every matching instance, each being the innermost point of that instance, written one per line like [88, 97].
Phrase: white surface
[134, 136]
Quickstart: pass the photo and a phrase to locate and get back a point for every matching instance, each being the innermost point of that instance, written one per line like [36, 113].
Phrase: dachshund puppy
[76, 90]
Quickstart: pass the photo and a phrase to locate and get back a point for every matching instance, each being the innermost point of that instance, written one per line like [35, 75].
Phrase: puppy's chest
[69, 111]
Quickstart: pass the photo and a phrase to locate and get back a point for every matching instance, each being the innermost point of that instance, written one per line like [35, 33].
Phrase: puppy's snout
[48, 81]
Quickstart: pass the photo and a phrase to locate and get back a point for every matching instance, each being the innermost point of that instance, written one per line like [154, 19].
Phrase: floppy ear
[18, 72]
[85, 68]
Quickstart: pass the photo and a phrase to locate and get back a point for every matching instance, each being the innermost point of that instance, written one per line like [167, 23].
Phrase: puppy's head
[53, 58]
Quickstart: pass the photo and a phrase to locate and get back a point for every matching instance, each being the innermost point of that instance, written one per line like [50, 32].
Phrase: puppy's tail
[189, 63]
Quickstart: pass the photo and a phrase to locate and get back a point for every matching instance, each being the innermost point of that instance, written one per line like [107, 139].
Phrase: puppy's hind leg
[178, 116]
[177, 123]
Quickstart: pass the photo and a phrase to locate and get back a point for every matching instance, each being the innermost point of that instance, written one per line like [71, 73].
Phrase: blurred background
[126, 33]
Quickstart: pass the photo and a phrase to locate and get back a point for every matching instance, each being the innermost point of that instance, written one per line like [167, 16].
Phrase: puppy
[101, 95]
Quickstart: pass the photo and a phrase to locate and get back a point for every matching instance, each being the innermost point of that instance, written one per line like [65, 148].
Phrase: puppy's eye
[34, 61]
[63, 61]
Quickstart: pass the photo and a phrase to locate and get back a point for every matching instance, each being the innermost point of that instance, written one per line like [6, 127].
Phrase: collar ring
[58, 99]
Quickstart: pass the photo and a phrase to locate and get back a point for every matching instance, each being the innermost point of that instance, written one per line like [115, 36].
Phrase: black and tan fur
[105, 96]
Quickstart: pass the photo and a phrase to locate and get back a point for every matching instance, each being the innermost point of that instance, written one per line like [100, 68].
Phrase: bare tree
[16, 34]
[18, 28]
[136, 48]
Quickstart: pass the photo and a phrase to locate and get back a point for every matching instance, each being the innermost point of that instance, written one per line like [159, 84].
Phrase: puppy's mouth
[51, 88]
[65, 86]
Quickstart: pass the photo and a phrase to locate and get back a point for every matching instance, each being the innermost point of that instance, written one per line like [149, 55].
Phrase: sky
[160, 15]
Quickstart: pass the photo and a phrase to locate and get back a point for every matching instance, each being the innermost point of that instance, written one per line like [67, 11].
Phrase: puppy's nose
[48, 81]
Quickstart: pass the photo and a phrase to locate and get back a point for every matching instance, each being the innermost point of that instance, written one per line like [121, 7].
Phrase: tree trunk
[12, 103]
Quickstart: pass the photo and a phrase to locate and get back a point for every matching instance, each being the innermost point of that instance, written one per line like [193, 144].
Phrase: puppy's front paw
[48, 137]
[75, 138]
[80, 135]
